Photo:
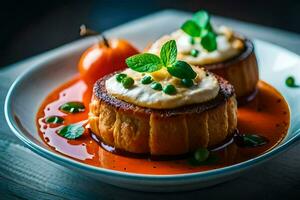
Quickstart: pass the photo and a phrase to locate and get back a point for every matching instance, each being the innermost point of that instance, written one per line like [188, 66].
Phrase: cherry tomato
[104, 58]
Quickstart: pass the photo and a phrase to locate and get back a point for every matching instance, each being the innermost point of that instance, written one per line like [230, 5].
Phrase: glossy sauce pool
[266, 115]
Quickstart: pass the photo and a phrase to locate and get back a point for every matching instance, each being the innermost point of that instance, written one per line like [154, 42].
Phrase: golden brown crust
[241, 71]
[162, 132]
[226, 91]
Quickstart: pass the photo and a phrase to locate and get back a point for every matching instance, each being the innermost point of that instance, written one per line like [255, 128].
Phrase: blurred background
[31, 27]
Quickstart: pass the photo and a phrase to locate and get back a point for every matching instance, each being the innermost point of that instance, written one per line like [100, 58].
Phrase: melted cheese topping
[205, 88]
[228, 46]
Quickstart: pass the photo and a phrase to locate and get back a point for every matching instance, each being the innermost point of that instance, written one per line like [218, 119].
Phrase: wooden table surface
[25, 175]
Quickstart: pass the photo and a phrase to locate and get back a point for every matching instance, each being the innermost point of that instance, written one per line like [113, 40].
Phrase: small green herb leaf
[181, 70]
[71, 131]
[290, 82]
[72, 107]
[202, 18]
[209, 41]
[54, 120]
[145, 62]
[191, 28]
[250, 140]
[168, 53]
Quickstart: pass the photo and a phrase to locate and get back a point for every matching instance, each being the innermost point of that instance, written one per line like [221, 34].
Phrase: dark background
[31, 27]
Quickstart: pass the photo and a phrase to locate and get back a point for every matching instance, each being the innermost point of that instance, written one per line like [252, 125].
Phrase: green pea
[120, 77]
[146, 80]
[290, 81]
[169, 89]
[127, 82]
[156, 86]
[192, 40]
[187, 82]
[201, 154]
[194, 52]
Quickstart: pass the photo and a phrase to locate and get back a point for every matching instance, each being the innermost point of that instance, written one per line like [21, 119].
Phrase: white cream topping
[205, 88]
[227, 47]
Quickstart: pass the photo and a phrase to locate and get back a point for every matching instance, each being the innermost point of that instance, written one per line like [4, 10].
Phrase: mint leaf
[72, 107]
[54, 120]
[250, 140]
[71, 131]
[145, 62]
[181, 69]
[202, 18]
[209, 41]
[191, 28]
[209, 27]
[168, 53]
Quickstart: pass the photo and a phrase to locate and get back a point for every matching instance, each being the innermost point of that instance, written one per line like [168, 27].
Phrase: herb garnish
[250, 140]
[290, 82]
[202, 157]
[199, 26]
[72, 107]
[181, 69]
[147, 62]
[71, 131]
[54, 120]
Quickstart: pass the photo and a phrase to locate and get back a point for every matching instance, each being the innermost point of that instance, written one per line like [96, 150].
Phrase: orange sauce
[267, 115]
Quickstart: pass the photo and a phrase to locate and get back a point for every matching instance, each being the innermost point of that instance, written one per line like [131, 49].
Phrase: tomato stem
[84, 31]
[105, 41]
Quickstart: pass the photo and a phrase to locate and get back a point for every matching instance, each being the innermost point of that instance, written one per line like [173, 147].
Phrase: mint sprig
[200, 26]
[147, 62]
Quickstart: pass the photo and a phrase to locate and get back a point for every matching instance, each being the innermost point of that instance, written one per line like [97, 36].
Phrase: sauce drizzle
[267, 115]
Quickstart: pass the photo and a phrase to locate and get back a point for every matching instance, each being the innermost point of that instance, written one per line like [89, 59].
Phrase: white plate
[29, 90]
